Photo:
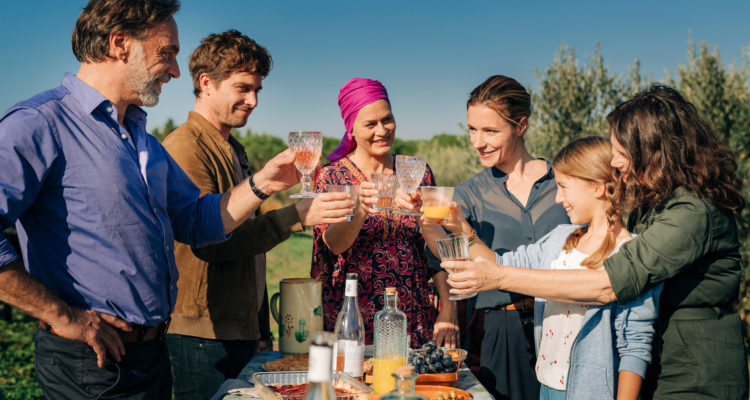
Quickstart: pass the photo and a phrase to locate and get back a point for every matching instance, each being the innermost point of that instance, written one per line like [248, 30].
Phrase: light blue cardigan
[613, 337]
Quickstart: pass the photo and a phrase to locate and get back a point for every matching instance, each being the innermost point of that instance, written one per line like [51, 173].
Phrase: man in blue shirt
[99, 203]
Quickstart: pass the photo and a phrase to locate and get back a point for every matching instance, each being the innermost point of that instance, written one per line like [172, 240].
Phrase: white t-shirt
[562, 322]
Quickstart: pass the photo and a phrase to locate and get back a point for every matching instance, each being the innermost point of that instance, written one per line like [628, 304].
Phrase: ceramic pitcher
[299, 314]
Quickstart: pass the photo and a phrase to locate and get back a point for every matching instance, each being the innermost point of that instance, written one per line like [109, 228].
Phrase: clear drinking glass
[306, 146]
[386, 185]
[353, 191]
[455, 248]
[409, 171]
[436, 202]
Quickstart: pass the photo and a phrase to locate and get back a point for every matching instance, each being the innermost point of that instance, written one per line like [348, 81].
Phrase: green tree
[260, 147]
[451, 157]
[161, 132]
[573, 100]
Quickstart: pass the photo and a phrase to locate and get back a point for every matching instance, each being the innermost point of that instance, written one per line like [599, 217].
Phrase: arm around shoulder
[676, 236]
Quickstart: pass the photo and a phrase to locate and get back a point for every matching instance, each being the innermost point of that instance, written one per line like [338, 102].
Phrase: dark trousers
[200, 366]
[697, 359]
[508, 355]
[67, 369]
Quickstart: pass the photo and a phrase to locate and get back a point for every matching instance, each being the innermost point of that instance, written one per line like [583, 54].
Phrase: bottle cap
[404, 370]
[323, 339]
[351, 275]
[390, 290]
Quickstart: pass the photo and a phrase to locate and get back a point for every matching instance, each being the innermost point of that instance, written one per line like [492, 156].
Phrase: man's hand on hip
[96, 329]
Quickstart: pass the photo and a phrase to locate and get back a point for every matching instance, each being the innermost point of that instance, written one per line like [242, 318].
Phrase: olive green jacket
[687, 243]
[217, 296]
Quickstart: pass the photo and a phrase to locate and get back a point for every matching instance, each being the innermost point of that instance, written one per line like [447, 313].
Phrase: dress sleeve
[429, 178]
[28, 152]
[678, 236]
[634, 331]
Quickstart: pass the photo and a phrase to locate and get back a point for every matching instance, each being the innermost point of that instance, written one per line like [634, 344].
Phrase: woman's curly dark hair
[670, 146]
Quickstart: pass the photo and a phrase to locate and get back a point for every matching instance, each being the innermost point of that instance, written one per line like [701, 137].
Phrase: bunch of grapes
[431, 360]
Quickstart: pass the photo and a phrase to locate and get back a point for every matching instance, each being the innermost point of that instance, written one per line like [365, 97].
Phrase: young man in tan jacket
[215, 325]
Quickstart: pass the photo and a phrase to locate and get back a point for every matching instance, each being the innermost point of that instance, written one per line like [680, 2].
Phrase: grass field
[290, 259]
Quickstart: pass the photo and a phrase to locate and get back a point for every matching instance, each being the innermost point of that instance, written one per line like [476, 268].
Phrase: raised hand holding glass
[409, 171]
[306, 146]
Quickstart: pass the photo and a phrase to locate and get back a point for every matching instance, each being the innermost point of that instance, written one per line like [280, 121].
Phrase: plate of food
[292, 385]
[436, 365]
[433, 392]
[297, 362]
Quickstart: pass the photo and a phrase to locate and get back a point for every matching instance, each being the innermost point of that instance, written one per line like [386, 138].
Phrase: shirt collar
[208, 128]
[92, 100]
[500, 177]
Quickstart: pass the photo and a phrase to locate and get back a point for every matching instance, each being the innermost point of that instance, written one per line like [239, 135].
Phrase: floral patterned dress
[389, 251]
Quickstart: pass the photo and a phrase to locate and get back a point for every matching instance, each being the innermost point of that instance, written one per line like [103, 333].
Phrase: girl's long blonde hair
[589, 159]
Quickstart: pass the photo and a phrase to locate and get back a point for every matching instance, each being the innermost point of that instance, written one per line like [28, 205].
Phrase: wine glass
[306, 146]
[409, 171]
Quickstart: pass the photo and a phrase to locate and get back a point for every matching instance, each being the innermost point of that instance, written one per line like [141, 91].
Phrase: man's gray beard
[140, 81]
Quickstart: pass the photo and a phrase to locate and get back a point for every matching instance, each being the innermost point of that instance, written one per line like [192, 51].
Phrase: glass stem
[306, 183]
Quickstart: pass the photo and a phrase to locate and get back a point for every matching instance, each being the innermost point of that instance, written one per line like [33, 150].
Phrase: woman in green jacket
[681, 184]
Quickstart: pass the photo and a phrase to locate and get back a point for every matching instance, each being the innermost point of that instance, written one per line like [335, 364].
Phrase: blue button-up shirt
[98, 211]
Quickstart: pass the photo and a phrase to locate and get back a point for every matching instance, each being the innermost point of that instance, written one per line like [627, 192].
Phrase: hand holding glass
[306, 146]
[386, 185]
[455, 248]
[353, 191]
[409, 171]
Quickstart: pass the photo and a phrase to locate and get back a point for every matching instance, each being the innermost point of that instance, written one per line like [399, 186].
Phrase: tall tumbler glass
[386, 185]
[455, 248]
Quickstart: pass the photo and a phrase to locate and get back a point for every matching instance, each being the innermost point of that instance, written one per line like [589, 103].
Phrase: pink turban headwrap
[355, 94]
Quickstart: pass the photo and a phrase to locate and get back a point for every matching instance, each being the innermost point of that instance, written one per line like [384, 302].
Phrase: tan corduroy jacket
[217, 296]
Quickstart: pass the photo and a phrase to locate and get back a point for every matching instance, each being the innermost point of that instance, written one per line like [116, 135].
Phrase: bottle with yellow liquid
[390, 343]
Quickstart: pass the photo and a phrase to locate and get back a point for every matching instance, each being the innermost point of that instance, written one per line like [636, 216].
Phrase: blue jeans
[200, 366]
[547, 393]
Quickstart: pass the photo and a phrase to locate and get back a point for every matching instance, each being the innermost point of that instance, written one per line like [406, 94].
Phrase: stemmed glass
[306, 146]
[409, 171]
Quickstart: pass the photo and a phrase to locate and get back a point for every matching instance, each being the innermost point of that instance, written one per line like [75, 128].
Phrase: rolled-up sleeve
[196, 220]
[677, 237]
[27, 150]
[634, 331]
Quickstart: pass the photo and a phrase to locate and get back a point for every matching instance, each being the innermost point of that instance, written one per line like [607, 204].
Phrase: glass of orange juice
[436, 201]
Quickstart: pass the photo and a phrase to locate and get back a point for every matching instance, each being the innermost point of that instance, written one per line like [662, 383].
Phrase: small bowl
[458, 355]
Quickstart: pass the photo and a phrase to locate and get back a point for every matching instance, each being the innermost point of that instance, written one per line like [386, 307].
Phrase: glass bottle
[390, 340]
[405, 378]
[319, 373]
[349, 348]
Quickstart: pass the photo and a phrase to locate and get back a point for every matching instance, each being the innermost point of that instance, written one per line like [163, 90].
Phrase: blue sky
[429, 54]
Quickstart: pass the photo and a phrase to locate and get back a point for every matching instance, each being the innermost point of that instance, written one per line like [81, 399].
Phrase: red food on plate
[299, 389]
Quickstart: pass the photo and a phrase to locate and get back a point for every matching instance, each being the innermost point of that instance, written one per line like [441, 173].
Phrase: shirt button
[124, 136]
[109, 109]
[528, 237]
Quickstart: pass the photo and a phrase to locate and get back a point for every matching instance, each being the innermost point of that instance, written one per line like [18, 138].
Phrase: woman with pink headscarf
[382, 248]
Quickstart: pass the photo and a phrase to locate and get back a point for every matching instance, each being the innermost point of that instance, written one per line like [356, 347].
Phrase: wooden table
[466, 379]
